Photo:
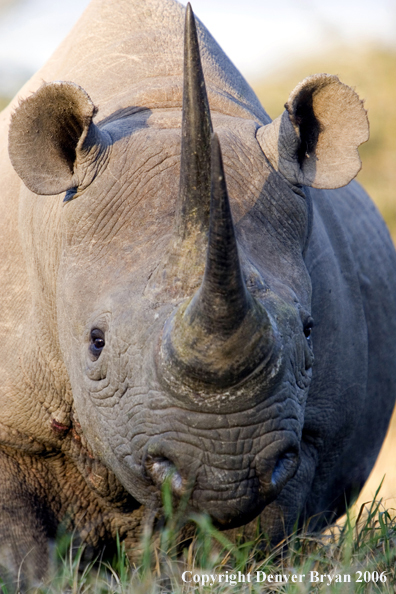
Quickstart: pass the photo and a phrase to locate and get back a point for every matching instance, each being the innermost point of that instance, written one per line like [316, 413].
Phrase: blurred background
[274, 45]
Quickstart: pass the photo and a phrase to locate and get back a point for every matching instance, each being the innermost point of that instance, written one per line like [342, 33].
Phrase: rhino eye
[97, 342]
[308, 327]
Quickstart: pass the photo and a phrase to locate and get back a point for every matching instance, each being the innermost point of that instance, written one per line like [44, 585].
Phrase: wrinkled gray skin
[89, 439]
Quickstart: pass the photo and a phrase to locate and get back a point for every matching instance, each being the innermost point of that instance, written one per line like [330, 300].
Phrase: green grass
[366, 544]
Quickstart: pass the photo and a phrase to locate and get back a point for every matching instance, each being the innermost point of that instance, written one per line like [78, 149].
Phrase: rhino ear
[314, 142]
[53, 144]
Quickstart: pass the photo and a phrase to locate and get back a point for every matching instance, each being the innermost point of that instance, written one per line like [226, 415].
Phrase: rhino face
[186, 336]
[215, 397]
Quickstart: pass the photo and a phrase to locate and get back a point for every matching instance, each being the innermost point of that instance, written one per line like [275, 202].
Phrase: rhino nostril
[285, 468]
[161, 469]
[275, 468]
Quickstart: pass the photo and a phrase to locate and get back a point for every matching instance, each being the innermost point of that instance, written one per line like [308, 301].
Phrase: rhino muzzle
[230, 502]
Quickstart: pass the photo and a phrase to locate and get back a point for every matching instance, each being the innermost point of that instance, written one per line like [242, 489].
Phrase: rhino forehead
[142, 144]
[129, 208]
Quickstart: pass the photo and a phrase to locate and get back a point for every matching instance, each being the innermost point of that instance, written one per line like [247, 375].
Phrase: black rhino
[167, 279]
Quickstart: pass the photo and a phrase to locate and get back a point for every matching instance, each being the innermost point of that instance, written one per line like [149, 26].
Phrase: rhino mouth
[231, 493]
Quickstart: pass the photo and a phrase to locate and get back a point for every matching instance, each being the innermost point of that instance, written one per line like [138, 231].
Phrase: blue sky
[258, 35]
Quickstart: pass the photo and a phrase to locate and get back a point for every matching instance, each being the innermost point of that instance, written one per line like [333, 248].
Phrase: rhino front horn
[222, 334]
[194, 190]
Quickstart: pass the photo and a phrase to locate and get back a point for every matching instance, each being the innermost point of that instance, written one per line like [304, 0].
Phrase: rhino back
[129, 54]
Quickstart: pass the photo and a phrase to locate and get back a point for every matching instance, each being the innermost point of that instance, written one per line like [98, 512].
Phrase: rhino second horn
[194, 190]
[222, 334]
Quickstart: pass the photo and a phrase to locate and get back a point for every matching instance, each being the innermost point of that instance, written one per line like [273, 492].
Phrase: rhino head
[185, 328]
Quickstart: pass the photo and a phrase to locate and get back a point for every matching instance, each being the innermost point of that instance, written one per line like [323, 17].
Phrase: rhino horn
[192, 215]
[223, 333]
[222, 301]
